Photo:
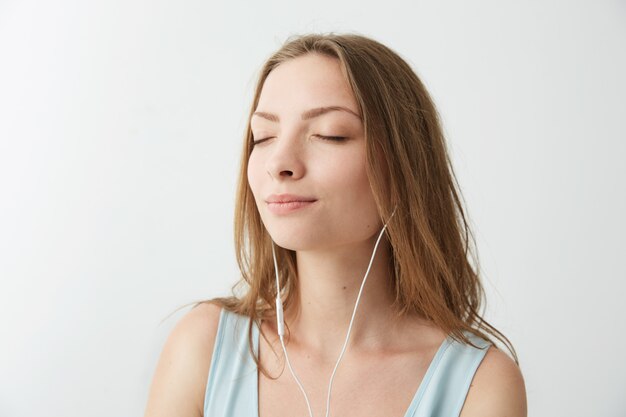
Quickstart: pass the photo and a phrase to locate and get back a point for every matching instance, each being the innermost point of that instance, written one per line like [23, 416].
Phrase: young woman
[349, 225]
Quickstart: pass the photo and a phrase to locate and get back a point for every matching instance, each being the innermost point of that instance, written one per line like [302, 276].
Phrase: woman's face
[303, 102]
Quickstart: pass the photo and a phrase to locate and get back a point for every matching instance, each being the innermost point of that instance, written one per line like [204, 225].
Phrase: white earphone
[281, 324]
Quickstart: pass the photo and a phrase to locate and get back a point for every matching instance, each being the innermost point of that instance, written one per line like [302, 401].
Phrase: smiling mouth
[283, 207]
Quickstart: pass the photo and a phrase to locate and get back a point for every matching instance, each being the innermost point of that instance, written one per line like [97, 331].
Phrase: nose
[285, 159]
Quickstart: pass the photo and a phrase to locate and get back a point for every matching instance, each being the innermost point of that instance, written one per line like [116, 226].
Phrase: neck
[328, 286]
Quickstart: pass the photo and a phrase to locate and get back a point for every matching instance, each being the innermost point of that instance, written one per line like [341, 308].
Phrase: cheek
[347, 176]
[253, 174]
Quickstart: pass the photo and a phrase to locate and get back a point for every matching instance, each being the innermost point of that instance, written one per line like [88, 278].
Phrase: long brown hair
[434, 265]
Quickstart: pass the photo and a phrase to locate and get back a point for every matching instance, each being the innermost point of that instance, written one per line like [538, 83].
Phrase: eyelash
[330, 138]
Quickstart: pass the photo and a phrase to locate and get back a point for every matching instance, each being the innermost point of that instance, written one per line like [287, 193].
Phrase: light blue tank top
[232, 385]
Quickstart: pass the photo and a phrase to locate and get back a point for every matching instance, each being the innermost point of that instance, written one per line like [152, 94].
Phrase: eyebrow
[309, 114]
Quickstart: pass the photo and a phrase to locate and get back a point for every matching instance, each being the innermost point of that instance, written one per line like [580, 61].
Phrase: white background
[120, 130]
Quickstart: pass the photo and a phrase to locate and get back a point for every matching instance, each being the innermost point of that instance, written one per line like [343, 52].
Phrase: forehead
[311, 80]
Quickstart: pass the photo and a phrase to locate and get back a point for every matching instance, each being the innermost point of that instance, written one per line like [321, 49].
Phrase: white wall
[120, 131]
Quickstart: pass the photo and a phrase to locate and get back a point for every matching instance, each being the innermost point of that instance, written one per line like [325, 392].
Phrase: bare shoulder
[497, 389]
[179, 381]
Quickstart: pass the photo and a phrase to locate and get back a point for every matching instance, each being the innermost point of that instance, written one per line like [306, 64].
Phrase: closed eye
[255, 142]
[334, 138]
[331, 138]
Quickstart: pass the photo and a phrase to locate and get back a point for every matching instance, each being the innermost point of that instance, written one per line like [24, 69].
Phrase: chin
[294, 243]
[298, 238]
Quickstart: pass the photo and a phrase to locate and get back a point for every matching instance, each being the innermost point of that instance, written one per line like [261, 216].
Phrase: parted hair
[434, 263]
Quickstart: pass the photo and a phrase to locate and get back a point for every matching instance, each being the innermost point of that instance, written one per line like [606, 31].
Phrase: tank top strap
[232, 381]
[445, 392]
[232, 385]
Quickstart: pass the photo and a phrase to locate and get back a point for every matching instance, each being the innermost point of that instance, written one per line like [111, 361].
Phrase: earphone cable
[345, 344]
[279, 308]
[281, 330]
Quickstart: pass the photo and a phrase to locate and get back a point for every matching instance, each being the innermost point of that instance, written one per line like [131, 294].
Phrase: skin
[333, 238]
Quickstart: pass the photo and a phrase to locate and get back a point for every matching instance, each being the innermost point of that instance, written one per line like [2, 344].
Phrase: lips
[288, 198]
[287, 204]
